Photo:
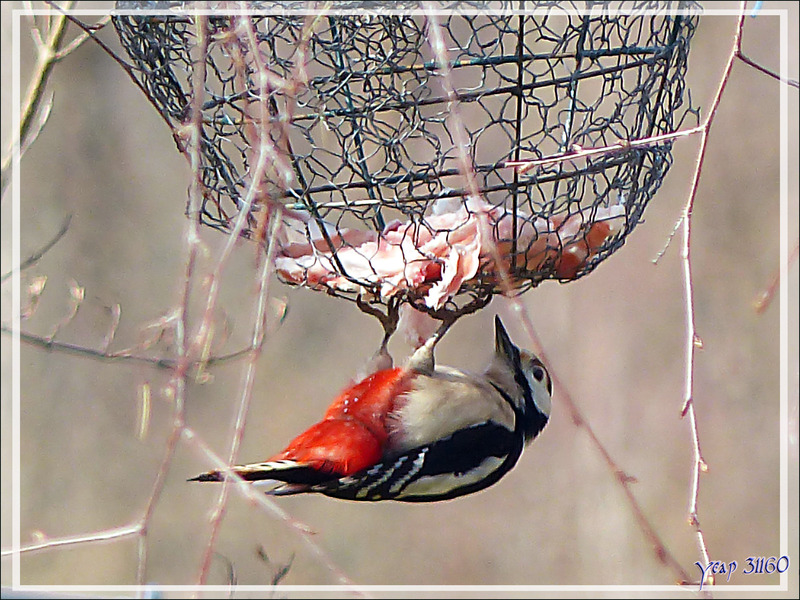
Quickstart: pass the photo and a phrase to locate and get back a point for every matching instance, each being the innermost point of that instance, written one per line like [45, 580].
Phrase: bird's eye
[538, 374]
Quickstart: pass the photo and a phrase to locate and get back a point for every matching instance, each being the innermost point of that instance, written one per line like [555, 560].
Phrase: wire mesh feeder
[363, 136]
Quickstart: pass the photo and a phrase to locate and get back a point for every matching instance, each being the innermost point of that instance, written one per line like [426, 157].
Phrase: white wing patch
[418, 462]
[365, 491]
[438, 485]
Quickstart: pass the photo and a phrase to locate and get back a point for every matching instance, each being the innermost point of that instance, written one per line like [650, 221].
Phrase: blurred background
[615, 338]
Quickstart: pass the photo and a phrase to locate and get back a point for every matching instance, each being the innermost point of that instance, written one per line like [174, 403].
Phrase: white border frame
[17, 14]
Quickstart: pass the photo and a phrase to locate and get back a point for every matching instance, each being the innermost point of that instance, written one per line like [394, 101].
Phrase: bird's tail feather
[287, 471]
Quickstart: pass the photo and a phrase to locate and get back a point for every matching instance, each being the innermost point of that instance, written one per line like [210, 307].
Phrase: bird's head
[524, 381]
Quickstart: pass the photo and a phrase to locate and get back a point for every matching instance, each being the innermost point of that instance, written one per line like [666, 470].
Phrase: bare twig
[523, 166]
[267, 154]
[158, 486]
[81, 38]
[179, 380]
[48, 51]
[704, 127]
[741, 56]
[181, 370]
[625, 480]
[748, 61]
[691, 342]
[107, 535]
[764, 298]
[50, 345]
[36, 256]
[90, 31]
[246, 394]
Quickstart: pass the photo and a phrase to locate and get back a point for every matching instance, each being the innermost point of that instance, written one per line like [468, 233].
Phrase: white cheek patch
[540, 395]
[437, 485]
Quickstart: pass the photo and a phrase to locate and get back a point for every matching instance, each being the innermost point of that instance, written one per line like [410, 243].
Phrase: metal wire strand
[359, 118]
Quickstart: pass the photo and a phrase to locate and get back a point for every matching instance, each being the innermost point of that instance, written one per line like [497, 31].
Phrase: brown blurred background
[615, 338]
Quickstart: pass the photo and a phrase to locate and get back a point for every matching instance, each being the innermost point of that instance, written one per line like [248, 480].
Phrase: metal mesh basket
[379, 200]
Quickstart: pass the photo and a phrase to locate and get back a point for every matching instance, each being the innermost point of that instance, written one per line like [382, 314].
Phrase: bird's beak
[503, 345]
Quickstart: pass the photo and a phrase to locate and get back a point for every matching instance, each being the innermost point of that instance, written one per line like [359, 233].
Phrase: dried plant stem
[107, 535]
[524, 166]
[48, 54]
[48, 344]
[155, 494]
[179, 381]
[765, 297]
[36, 256]
[691, 341]
[748, 61]
[267, 154]
[246, 394]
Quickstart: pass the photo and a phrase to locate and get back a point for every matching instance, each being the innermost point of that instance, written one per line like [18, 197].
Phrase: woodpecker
[422, 433]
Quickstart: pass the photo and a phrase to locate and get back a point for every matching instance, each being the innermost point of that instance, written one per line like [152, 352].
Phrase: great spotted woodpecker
[418, 434]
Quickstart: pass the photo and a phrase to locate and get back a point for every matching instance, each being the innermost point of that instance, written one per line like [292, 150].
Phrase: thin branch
[46, 60]
[792, 82]
[764, 298]
[81, 38]
[246, 394]
[461, 140]
[51, 345]
[244, 23]
[675, 229]
[523, 166]
[748, 61]
[267, 155]
[155, 494]
[691, 341]
[245, 488]
[737, 53]
[180, 376]
[129, 71]
[37, 256]
[107, 535]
